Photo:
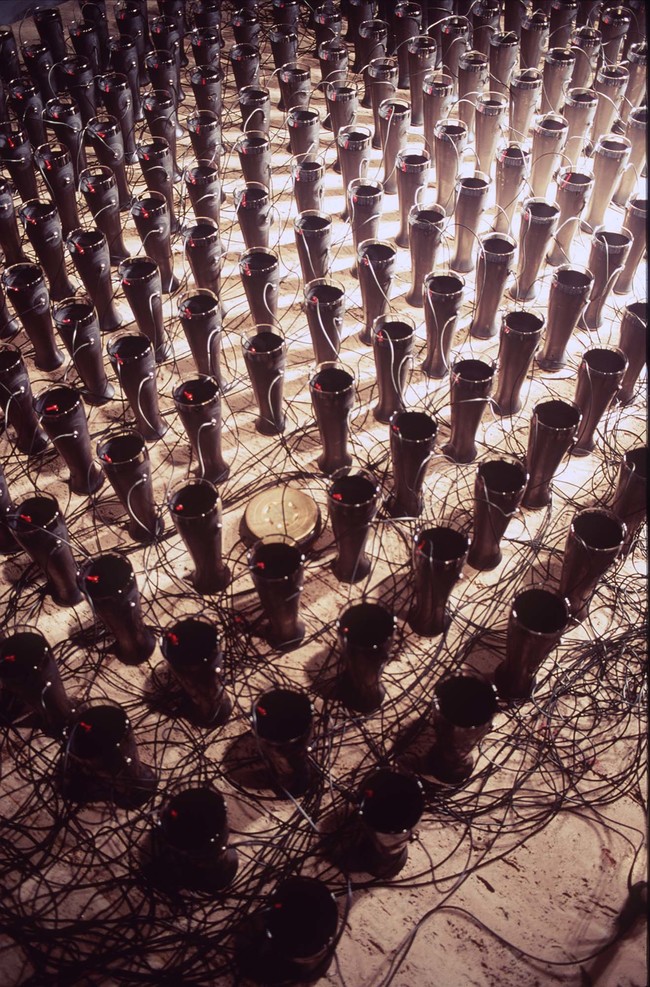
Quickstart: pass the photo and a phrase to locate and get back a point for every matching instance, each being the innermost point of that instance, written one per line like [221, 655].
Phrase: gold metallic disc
[284, 510]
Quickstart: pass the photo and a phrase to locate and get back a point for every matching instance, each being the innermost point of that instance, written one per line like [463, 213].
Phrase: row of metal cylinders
[367, 631]
[550, 130]
[259, 270]
[562, 71]
[133, 356]
[407, 174]
[450, 132]
[465, 196]
[264, 263]
[450, 24]
[249, 269]
[254, 203]
[537, 620]
[144, 280]
[611, 265]
[617, 164]
[557, 427]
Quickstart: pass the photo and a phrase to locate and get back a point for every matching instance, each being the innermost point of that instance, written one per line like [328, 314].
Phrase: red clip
[26, 517]
[179, 508]
[261, 711]
[107, 458]
[92, 579]
[9, 658]
[85, 726]
[173, 639]
[337, 496]
[188, 395]
[51, 407]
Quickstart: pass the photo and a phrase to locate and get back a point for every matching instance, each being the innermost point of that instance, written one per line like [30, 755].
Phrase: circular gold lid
[283, 510]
